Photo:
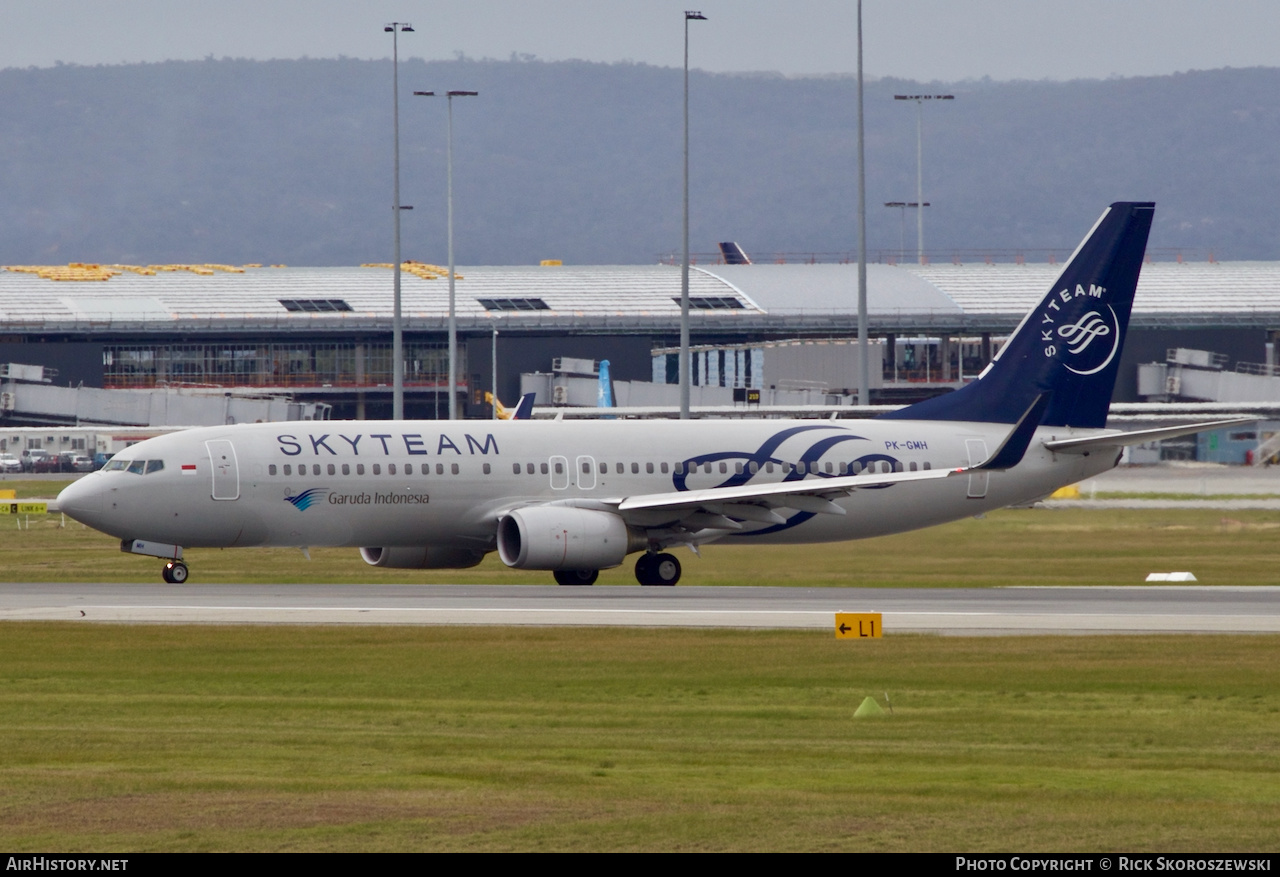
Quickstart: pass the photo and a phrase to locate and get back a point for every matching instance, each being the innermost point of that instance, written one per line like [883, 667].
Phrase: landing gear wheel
[174, 572]
[644, 569]
[657, 569]
[576, 576]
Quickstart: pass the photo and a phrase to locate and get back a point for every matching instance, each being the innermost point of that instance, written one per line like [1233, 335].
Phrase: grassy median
[1009, 547]
[129, 738]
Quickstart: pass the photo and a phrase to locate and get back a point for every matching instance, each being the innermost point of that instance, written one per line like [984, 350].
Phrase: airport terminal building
[323, 335]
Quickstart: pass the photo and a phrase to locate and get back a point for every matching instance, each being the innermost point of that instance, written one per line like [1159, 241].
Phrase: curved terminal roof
[728, 299]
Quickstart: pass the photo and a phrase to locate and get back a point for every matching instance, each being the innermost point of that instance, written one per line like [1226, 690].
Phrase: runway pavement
[1142, 609]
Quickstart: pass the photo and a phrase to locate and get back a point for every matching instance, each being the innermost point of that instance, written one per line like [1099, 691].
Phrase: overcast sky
[917, 39]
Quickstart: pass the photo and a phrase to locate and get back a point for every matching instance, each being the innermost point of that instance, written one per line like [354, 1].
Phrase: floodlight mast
[395, 28]
[453, 316]
[920, 99]
[864, 356]
[689, 16]
[453, 312]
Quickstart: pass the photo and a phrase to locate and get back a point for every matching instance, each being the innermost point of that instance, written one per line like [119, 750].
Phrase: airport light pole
[453, 313]
[689, 16]
[864, 356]
[902, 231]
[453, 318]
[395, 28]
[920, 99]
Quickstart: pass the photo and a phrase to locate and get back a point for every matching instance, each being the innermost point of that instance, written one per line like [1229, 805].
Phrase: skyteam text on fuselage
[578, 497]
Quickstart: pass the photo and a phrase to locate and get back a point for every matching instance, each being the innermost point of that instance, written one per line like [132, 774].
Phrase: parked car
[9, 463]
[47, 463]
[32, 456]
[81, 463]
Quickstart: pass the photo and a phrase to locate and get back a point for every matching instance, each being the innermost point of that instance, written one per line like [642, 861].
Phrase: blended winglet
[1014, 447]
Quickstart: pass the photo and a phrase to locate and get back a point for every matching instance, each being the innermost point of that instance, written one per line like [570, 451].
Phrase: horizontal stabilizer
[1137, 437]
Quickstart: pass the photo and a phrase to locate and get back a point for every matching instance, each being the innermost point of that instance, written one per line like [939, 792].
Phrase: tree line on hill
[290, 162]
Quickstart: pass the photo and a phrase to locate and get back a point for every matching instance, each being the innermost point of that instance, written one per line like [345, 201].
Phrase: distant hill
[290, 161]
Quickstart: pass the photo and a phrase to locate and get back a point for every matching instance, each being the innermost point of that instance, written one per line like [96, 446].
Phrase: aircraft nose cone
[82, 501]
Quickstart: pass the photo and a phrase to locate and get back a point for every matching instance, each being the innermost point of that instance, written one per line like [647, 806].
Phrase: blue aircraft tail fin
[604, 392]
[524, 408]
[1067, 349]
[733, 254]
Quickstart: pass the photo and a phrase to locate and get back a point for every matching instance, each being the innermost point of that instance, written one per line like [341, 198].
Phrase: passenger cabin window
[359, 469]
[271, 469]
[515, 468]
[454, 467]
[346, 468]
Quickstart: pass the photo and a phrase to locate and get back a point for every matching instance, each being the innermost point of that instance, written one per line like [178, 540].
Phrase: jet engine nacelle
[562, 537]
[422, 557]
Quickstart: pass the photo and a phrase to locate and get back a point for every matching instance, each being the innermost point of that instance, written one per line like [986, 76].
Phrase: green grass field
[1009, 547]
[129, 738]
[120, 738]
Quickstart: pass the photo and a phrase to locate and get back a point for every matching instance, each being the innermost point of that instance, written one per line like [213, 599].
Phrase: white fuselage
[416, 483]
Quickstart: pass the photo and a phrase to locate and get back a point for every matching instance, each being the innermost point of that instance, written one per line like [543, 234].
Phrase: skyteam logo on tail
[1080, 331]
[307, 498]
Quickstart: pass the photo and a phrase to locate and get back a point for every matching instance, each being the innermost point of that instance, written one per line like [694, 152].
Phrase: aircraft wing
[780, 493]
[1136, 437]
[717, 506]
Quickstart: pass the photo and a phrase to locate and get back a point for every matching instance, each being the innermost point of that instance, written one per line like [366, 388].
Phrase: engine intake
[563, 537]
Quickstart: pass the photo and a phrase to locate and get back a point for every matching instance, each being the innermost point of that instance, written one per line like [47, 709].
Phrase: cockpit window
[115, 465]
[137, 467]
[154, 466]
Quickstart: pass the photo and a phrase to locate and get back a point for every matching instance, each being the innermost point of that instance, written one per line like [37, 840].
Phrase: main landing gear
[657, 569]
[651, 569]
[174, 572]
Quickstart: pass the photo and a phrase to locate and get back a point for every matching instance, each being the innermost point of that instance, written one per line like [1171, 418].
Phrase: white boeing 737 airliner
[575, 497]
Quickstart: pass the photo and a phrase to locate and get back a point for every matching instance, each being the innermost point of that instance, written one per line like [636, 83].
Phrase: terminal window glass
[513, 304]
[712, 302]
[314, 305]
